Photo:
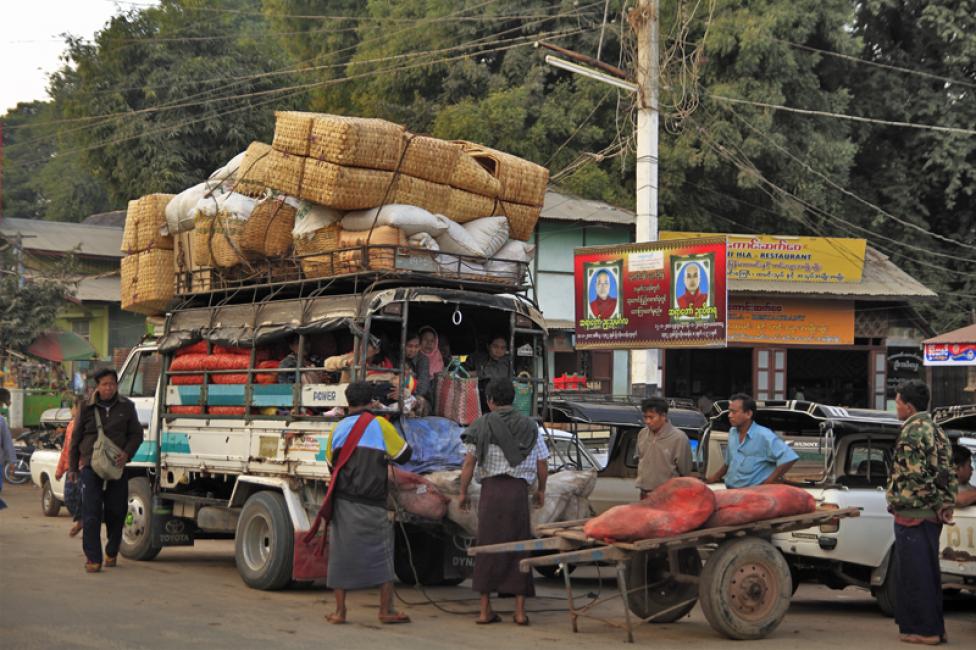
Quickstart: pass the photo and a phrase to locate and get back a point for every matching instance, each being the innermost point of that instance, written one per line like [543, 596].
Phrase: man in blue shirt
[755, 454]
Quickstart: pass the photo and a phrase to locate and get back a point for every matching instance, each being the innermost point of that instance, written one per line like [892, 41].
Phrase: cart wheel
[653, 592]
[745, 588]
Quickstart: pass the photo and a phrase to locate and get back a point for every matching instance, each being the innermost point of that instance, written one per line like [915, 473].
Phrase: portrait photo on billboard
[692, 279]
[602, 297]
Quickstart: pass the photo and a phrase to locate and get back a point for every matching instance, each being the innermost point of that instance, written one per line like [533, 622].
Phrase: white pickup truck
[845, 456]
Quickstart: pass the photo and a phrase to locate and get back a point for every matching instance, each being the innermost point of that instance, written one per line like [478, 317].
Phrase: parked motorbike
[25, 444]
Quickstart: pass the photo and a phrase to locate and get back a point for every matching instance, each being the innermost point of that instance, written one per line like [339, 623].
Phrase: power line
[886, 66]
[844, 116]
[851, 194]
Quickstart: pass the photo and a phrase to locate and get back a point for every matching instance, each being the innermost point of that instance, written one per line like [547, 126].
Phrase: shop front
[824, 320]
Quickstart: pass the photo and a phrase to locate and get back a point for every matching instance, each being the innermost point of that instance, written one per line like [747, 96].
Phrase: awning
[59, 345]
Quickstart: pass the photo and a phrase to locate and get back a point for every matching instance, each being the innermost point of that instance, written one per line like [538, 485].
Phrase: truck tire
[49, 503]
[137, 538]
[264, 545]
[886, 595]
[745, 588]
[653, 592]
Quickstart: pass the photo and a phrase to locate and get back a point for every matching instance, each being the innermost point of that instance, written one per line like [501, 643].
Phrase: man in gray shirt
[663, 451]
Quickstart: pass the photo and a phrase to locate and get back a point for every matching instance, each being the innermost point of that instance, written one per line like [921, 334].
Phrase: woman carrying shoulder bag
[111, 421]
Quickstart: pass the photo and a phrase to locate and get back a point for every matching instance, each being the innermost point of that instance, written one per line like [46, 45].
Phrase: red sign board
[666, 294]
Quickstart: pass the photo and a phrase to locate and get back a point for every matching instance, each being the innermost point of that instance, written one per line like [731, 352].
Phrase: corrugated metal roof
[561, 206]
[115, 219]
[881, 280]
[101, 289]
[62, 237]
[962, 335]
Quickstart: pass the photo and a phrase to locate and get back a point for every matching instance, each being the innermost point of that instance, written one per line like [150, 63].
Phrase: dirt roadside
[193, 597]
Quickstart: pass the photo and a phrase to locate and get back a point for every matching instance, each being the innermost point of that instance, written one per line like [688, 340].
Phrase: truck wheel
[653, 592]
[886, 595]
[745, 588]
[264, 546]
[137, 538]
[49, 503]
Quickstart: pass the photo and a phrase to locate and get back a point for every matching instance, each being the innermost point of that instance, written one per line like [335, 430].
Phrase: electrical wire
[851, 194]
[844, 116]
[885, 66]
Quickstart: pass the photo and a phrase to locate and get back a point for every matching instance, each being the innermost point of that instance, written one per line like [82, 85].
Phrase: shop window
[82, 328]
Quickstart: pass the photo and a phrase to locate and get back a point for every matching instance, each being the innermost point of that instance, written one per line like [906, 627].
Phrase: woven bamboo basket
[191, 276]
[430, 159]
[147, 281]
[380, 254]
[521, 218]
[143, 219]
[471, 176]
[215, 240]
[463, 206]
[265, 168]
[342, 188]
[408, 190]
[323, 240]
[347, 141]
[521, 181]
[267, 232]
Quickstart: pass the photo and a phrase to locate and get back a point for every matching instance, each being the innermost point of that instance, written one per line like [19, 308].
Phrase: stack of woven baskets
[147, 268]
[350, 163]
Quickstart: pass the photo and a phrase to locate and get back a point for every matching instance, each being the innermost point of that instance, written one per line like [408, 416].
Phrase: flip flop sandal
[394, 619]
[524, 621]
[495, 618]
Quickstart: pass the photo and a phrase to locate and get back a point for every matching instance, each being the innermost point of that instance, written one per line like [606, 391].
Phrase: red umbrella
[59, 345]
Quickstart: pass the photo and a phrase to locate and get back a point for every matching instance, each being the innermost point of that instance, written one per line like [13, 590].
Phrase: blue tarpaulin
[436, 444]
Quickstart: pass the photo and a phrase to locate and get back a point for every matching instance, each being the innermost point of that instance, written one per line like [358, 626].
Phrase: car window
[868, 463]
[564, 451]
[630, 453]
[141, 375]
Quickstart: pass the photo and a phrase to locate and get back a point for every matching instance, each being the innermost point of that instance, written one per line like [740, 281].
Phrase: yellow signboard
[778, 258]
[791, 322]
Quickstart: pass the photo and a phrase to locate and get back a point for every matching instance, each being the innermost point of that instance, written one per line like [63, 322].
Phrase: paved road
[193, 597]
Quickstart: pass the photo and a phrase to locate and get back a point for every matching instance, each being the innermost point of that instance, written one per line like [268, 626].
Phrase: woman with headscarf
[430, 348]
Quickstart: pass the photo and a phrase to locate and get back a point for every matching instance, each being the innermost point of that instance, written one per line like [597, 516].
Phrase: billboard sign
[666, 294]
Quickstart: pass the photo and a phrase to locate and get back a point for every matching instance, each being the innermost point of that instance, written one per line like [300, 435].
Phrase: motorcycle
[18, 472]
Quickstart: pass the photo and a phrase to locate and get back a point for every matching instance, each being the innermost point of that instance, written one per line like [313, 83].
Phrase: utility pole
[645, 364]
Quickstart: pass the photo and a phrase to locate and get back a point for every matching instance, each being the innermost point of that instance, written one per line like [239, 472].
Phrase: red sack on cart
[457, 395]
[746, 505]
[677, 506]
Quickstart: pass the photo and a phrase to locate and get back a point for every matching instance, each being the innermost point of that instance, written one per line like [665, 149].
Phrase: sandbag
[458, 241]
[745, 505]
[411, 219]
[505, 260]
[488, 233]
[418, 496]
[311, 217]
[677, 506]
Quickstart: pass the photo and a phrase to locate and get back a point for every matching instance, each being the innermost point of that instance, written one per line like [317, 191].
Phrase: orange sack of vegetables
[677, 506]
[746, 505]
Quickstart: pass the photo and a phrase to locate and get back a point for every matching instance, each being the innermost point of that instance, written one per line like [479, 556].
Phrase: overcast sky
[30, 43]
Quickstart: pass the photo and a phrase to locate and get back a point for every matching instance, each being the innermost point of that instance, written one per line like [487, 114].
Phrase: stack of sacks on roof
[147, 268]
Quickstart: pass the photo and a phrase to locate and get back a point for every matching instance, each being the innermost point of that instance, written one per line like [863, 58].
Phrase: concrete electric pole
[645, 364]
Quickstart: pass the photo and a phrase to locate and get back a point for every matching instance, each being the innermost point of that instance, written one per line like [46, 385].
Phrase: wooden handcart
[744, 587]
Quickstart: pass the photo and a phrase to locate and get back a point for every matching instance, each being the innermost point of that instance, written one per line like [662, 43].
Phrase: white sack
[489, 233]
[180, 209]
[236, 205]
[226, 176]
[514, 250]
[411, 219]
[566, 498]
[310, 217]
[423, 240]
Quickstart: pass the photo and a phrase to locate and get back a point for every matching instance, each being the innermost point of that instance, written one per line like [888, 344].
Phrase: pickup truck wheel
[886, 595]
[49, 503]
[137, 538]
[745, 588]
[652, 592]
[264, 546]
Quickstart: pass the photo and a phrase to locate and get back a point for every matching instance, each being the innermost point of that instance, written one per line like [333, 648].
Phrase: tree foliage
[30, 305]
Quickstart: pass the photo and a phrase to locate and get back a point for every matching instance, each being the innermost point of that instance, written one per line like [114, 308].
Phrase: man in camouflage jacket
[921, 496]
